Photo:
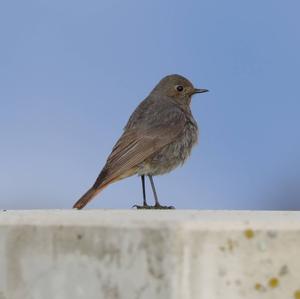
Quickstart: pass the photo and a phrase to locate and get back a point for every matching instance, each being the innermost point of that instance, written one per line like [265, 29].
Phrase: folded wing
[138, 144]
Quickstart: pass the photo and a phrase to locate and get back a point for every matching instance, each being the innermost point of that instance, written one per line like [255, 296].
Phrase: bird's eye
[179, 88]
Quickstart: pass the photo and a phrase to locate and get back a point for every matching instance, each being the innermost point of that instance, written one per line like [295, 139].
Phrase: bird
[157, 138]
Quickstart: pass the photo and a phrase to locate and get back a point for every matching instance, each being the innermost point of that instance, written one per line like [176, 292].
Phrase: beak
[200, 90]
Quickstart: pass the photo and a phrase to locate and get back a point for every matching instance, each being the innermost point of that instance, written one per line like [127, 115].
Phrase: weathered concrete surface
[149, 254]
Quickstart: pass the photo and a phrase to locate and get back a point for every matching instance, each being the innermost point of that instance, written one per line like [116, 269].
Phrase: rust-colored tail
[101, 182]
[87, 197]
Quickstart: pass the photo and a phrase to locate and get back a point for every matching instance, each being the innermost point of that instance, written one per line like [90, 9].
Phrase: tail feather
[93, 191]
[101, 182]
[87, 197]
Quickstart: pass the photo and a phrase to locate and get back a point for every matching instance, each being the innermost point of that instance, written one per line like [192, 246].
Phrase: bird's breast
[173, 154]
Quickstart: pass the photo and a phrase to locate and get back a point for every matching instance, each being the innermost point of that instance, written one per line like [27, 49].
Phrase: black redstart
[158, 137]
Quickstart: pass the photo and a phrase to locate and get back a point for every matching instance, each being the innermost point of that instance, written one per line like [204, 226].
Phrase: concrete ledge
[132, 254]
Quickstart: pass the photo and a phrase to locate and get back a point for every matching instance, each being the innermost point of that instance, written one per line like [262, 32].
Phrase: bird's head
[178, 88]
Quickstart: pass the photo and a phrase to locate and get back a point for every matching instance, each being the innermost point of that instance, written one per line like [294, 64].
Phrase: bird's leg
[157, 204]
[144, 190]
[145, 205]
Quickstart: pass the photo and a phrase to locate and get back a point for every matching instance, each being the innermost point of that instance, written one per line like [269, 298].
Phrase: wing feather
[136, 145]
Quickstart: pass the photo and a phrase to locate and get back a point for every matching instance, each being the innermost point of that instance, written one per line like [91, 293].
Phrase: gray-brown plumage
[158, 137]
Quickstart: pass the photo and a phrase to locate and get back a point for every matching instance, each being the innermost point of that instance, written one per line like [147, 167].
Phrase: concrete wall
[149, 254]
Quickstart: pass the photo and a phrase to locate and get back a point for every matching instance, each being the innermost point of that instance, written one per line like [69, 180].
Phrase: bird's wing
[136, 145]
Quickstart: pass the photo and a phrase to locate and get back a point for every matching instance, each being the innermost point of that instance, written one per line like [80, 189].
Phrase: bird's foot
[160, 207]
[155, 207]
[144, 207]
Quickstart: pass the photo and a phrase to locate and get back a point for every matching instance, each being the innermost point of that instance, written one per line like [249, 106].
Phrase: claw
[144, 207]
[159, 207]
[156, 207]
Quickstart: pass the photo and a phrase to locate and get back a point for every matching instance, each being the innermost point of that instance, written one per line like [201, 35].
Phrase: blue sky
[72, 72]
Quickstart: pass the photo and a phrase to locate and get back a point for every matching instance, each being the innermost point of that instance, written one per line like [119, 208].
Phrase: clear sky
[71, 73]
